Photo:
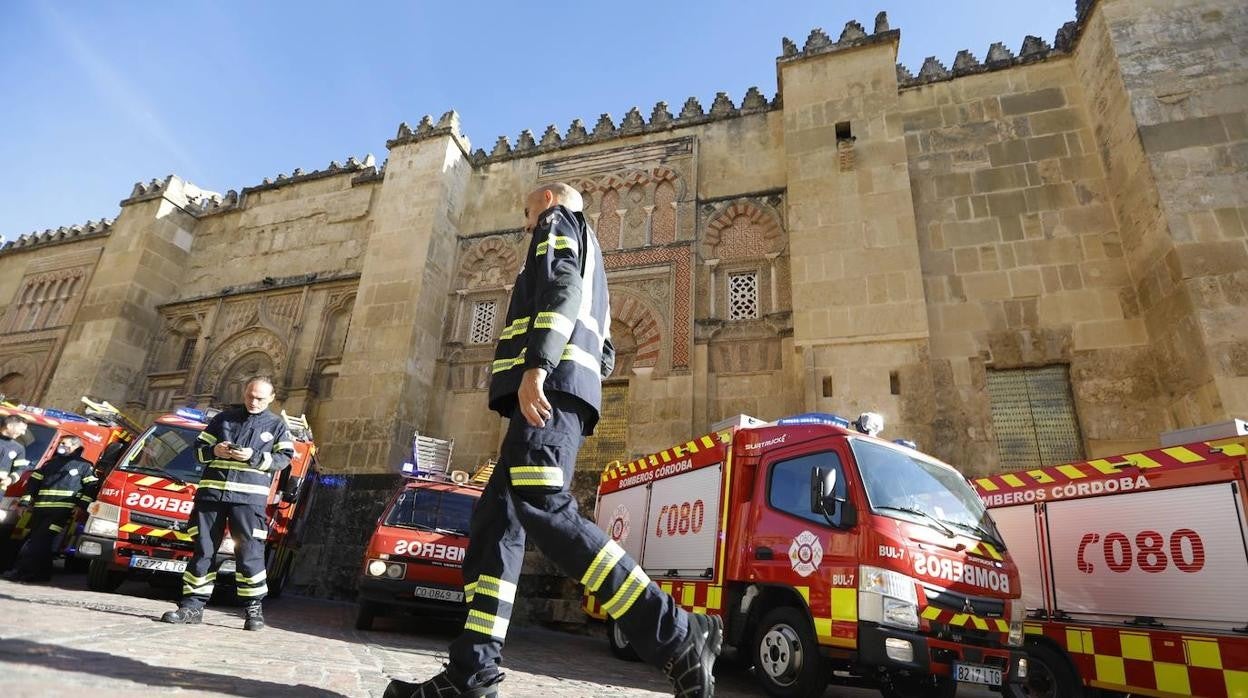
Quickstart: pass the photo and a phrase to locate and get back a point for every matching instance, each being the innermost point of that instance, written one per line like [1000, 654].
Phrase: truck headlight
[887, 597]
[103, 520]
[377, 568]
[1017, 613]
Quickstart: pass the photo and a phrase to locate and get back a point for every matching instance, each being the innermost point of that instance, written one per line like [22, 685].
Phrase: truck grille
[952, 601]
[157, 521]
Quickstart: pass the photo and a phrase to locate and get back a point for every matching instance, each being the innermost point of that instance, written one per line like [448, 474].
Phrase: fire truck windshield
[432, 510]
[902, 486]
[36, 440]
[165, 451]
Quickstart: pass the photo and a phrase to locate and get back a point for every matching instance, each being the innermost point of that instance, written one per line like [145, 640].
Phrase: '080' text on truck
[824, 550]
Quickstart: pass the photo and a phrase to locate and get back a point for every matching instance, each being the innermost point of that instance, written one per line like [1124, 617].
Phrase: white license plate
[139, 562]
[439, 594]
[974, 673]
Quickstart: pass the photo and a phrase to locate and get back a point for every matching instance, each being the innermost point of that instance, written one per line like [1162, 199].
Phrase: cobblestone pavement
[60, 640]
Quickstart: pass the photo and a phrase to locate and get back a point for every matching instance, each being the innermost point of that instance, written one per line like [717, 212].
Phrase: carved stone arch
[229, 389]
[743, 229]
[19, 376]
[643, 321]
[489, 264]
[225, 356]
[336, 324]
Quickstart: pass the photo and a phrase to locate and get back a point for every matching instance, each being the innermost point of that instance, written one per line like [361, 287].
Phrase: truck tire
[1050, 674]
[365, 614]
[102, 578]
[619, 644]
[919, 687]
[786, 656]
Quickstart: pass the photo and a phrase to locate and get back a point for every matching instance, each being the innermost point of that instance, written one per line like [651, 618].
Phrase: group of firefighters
[547, 377]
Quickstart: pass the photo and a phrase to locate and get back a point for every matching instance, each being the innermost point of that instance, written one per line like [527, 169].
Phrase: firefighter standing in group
[12, 453]
[547, 379]
[242, 449]
[65, 481]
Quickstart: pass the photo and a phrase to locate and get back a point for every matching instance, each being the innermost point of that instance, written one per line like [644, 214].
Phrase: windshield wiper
[152, 471]
[450, 531]
[980, 531]
[936, 523]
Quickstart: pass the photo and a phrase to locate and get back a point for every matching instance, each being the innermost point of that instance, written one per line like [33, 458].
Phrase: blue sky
[97, 95]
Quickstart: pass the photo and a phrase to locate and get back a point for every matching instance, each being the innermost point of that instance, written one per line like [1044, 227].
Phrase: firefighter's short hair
[13, 420]
[260, 378]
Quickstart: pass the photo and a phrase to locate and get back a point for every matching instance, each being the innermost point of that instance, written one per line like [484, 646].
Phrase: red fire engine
[415, 556]
[137, 525]
[1135, 567]
[824, 550]
[104, 432]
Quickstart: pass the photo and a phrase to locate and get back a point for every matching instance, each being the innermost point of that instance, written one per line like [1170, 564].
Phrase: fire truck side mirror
[824, 500]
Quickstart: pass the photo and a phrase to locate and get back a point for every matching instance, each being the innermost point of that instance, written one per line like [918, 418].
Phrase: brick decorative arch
[643, 321]
[491, 262]
[743, 229]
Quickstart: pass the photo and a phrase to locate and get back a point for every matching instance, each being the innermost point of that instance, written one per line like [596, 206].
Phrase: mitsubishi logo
[967, 607]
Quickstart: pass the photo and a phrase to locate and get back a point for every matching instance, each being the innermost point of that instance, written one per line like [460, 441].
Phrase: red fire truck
[104, 432]
[1135, 567]
[137, 525]
[825, 551]
[415, 556]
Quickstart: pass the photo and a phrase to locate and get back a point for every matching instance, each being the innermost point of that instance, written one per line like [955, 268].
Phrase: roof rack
[431, 458]
[298, 426]
[104, 411]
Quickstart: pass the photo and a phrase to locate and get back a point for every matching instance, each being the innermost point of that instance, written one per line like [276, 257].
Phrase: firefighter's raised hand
[243, 454]
[224, 450]
[532, 397]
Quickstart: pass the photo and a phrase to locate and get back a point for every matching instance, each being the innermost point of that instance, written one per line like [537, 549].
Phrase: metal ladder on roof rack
[298, 426]
[431, 458]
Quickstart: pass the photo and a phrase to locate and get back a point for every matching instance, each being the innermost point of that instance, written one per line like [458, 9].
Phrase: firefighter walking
[65, 481]
[547, 379]
[242, 449]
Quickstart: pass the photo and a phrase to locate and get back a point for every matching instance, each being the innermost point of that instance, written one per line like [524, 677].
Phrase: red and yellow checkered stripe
[615, 469]
[698, 597]
[159, 483]
[985, 550]
[1172, 457]
[837, 623]
[1154, 662]
[141, 530]
[965, 620]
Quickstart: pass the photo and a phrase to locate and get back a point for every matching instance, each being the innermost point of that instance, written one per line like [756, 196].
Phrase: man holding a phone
[242, 449]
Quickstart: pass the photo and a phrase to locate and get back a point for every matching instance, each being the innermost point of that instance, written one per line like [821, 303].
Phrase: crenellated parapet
[634, 123]
[51, 236]
[854, 35]
[233, 200]
[426, 128]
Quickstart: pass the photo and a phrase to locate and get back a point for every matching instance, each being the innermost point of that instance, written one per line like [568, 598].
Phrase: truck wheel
[101, 578]
[1050, 675]
[919, 687]
[366, 614]
[786, 655]
[619, 644]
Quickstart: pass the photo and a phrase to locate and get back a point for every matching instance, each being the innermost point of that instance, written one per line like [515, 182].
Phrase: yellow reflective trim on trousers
[207, 438]
[192, 579]
[205, 590]
[54, 505]
[56, 493]
[56, 528]
[606, 558]
[252, 591]
[500, 589]
[628, 593]
[536, 476]
[470, 589]
[560, 242]
[234, 487]
[517, 327]
[486, 624]
[548, 320]
[259, 577]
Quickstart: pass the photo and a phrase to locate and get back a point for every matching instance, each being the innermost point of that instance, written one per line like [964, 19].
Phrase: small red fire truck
[137, 525]
[825, 551]
[104, 432]
[1134, 567]
[414, 560]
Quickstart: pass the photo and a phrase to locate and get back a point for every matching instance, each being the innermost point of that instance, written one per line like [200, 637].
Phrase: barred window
[482, 330]
[1033, 416]
[743, 296]
[188, 353]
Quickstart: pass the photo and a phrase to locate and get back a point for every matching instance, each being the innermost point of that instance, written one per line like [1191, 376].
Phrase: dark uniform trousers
[528, 492]
[46, 526]
[249, 527]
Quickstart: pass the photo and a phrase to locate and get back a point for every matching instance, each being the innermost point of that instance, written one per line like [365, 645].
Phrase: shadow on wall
[58, 658]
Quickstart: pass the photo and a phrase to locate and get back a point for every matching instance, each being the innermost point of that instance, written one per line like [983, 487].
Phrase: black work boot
[690, 666]
[184, 615]
[255, 617]
[441, 686]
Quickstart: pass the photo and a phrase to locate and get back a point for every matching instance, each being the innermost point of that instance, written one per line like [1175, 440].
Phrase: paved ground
[60, 640]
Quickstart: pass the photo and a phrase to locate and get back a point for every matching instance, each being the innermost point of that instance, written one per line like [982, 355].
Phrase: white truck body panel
[623, 515]
[681, 527]
[1018, 527]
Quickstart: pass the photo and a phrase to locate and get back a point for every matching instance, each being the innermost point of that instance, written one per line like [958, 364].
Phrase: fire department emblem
[619, 524]
[805, 553]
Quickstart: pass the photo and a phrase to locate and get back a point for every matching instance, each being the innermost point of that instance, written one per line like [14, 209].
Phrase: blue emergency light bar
[191, 413]
[57, 414]
[814, 418]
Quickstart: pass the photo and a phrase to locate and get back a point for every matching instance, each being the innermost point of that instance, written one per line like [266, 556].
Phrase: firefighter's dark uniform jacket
[238, 482]
[63, 482]
[558, 317]
[12, 457]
